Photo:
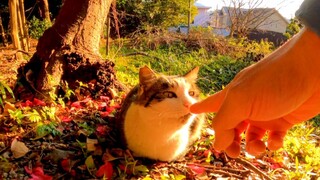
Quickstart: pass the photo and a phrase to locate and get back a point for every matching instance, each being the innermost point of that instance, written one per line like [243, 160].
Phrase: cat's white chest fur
[156, 135]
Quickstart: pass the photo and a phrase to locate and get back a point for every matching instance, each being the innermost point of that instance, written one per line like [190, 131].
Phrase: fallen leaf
[141, 168]
[28, 103]
[90, 164]
[104, 98]
[18, 149]
[104, 114]
[105, 170]
[196, 169]
[76, 104]
[65, 118]
[67, 165]
[91, 144]
[8, 106]
[37, 173]
[38, 102]
[102, 130]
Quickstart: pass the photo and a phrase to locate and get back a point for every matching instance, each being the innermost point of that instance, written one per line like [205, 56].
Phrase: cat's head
[172, 95]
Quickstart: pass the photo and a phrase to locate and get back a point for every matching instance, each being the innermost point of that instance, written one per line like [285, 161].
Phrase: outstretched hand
[270, 97]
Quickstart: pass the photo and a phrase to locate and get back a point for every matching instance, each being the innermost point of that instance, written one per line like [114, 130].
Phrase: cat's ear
[193, 74]
[146, 76]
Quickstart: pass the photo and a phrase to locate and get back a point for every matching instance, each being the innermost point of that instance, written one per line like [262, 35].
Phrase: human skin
[268, 97]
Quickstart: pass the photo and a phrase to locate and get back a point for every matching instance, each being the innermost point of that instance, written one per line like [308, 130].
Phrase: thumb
[210, 104]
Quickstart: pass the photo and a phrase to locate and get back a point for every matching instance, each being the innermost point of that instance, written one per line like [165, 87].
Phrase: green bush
[37, 27]
[218, 73]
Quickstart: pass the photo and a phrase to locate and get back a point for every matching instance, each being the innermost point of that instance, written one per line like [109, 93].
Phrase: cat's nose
[187, 104]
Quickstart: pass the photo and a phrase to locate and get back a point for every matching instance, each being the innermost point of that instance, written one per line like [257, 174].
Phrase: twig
[253, 168]
[224, 171]
[24, 52]
[4, 150]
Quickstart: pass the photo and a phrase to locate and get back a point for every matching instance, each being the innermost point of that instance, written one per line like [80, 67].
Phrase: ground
[77, 140]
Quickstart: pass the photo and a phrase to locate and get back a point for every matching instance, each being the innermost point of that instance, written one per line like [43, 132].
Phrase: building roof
[200, 5]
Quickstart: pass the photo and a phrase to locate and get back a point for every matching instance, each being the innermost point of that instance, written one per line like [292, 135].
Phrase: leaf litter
[79, 142]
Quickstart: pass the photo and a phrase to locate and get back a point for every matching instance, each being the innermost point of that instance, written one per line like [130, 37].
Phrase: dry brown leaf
[91, 144]
[8, 106]
[18, 149]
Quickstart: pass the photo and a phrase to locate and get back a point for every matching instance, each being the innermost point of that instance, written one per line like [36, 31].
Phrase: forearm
[309, 14]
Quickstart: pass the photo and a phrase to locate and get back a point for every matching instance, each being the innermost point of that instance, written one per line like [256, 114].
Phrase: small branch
[24, 52]
[252, 167]
[240, 174]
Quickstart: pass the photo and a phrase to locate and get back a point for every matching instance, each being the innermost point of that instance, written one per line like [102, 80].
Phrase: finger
[210, 104]
[275, 139]
[234, 149]
[223, 139]
[254, 144]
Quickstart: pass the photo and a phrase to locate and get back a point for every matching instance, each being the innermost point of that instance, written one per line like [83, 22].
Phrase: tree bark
[3, 34]
[44, 10]
[23, 26]
[69, 51]
[14, 26]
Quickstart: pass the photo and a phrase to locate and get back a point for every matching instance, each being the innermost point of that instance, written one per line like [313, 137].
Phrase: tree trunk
[69, 51]
[3, 34]
[44, 10]
[14, 26]
[23, 26]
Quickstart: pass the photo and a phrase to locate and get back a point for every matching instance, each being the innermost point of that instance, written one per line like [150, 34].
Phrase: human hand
[270, 97]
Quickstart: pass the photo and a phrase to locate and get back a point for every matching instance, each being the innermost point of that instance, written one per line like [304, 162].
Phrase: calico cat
[156, 120]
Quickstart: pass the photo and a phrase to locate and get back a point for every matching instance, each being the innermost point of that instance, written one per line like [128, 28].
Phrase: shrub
[218, 73]
[37, 27]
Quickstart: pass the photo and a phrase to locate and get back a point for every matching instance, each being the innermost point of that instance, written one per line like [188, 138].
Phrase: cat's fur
[157, 123]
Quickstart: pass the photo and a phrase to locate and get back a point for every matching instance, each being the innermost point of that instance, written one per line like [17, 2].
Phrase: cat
[155, 116]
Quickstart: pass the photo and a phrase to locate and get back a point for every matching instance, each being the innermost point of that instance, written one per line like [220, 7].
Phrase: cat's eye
[169, 94]
[192, 93]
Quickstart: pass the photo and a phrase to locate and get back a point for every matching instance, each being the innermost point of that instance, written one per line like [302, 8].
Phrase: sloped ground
[77, 140]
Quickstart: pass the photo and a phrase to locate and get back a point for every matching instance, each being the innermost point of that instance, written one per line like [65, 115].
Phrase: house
[261, 19]
[203, 17]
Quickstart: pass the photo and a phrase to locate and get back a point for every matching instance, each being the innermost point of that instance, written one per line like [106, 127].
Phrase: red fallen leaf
[102, 130]
[66, 118]
[66, 165]
[206, 153]
[37, 173]
[117, 106]
[104, 114]
[110, 109]
[27, 103]
[276, 166]
[76, 104]
[85, 100]
[104, 98]
[102, 105]
[196, 169]
[38, 102]
[105, 170]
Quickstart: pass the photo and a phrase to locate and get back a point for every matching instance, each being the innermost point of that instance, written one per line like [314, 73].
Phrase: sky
[286, 8]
